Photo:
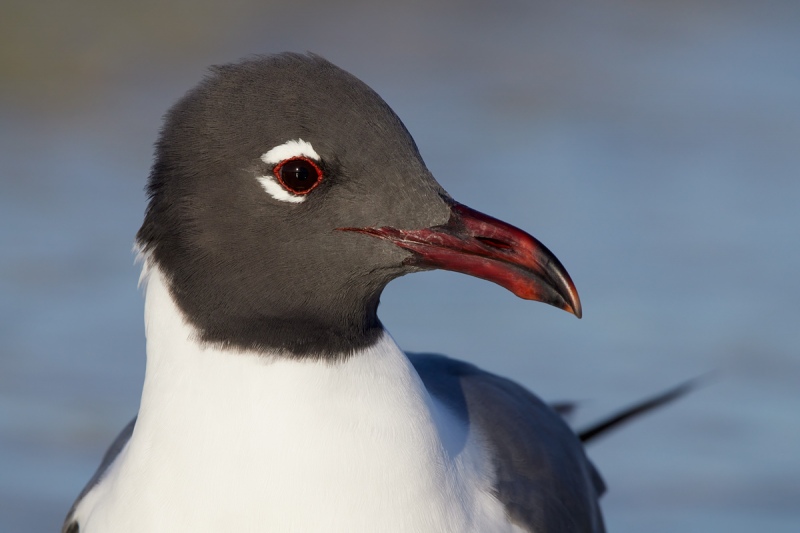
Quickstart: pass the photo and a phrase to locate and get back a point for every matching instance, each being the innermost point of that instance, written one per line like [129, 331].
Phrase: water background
[653, 146]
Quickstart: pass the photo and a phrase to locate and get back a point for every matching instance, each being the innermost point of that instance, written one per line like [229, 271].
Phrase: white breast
[256, 443]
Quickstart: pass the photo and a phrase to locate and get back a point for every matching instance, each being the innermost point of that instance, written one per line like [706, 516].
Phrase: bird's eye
[298, 175]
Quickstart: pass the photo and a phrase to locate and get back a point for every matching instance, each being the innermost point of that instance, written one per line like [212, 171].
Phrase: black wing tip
[642, 407]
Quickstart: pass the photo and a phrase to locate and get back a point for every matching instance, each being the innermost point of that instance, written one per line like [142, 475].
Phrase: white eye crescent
[296, 172]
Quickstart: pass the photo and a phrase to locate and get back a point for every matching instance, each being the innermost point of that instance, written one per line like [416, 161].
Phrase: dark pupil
[299, 175]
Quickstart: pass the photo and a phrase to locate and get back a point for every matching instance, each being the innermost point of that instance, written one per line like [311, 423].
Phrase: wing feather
[543, 476]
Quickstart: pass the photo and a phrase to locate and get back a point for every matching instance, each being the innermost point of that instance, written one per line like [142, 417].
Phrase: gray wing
[71, 526]
[543, 476]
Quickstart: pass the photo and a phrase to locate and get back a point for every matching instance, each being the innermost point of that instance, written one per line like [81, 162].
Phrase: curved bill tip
[515, 260]
[547, 280]
[482, 246]
[573, 302]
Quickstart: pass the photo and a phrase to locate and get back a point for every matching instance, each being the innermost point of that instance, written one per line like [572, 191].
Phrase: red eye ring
[298, 175]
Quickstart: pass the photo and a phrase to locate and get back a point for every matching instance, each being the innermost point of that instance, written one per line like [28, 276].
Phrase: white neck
[231, 441]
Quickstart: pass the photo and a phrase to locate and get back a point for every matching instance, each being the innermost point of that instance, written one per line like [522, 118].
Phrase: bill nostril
[494, 243]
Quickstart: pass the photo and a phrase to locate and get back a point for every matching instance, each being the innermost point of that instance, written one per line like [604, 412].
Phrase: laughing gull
[284, 196]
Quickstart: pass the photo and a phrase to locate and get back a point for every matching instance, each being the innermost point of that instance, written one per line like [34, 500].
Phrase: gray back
[543, 476]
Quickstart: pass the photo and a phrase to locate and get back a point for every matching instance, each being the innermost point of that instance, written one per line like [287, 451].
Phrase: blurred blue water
[655, 149]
